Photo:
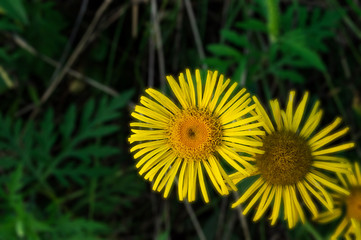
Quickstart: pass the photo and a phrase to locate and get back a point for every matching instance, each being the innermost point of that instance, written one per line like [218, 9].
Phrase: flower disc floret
[353, 203]
[194, 134]
[286, 160]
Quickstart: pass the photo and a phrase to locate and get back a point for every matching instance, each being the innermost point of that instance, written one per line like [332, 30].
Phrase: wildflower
[347, 207]
[293, 161]
[185, 141]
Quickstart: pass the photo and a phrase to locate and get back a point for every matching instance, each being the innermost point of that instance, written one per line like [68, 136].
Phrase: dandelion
[185, 142]
[293, 161]
[347, 207]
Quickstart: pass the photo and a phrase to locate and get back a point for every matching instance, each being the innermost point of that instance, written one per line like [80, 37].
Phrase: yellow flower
[177, 142]
[288, 171]
[347, 207]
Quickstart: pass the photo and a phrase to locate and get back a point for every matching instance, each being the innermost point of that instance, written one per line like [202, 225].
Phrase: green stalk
[273, 17]
[312, 230]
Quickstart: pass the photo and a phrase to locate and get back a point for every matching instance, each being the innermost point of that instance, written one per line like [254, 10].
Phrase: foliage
[66, 171]
[47, 158]
[282, 57]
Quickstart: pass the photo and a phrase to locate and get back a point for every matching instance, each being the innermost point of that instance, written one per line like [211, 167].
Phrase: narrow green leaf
[235, 38]
[68, 124]
[253, 25]
[34, 94]
[163, 236]
[221, 65]
[15, 183]
[224, 50]
[98, 151]
[6, 25]
[290, 75]
[94, 133]
[123, 98]
[305, 53]
[15, 9]
[87, 112]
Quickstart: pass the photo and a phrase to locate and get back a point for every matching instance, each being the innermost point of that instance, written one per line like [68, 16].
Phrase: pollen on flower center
[287, 158]
[194, 134]
[353, 204]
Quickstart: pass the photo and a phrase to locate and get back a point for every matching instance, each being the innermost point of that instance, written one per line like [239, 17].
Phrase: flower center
[353, 204]
[194, 134]
[287, 158]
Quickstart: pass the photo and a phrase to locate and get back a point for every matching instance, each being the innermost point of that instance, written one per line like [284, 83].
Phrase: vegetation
[71, 71]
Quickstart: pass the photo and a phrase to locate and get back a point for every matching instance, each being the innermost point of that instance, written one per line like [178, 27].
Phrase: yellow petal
[201, 183]
[254, 187]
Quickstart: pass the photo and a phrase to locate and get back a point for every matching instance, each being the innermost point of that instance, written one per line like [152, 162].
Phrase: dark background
[71, 72]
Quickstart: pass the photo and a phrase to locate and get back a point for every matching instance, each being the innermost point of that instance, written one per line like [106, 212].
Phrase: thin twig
[242, 219]
[158, 41]
[178, 35]
[135, 14]
[92, 82]
[104, 24]
[24, 45]
[155, 211]
[229, 226]
[225, 12]
[194, 220]
[193, 217]
[79, 48]
[221, 217]
[151, 58]
[70, 42]
[167, 218]
[195, 31]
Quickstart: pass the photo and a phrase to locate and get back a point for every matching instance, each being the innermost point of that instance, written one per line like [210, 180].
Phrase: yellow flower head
[347, 207]
[183, 140]
[294, 154]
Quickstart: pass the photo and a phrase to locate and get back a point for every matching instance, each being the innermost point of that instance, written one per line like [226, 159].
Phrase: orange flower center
[194, 134]
[287, 158]
[353, 204]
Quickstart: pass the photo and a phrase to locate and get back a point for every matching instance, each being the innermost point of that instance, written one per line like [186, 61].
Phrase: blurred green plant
[67, 174]
[42, 29]
[40, 161]
[297, 38]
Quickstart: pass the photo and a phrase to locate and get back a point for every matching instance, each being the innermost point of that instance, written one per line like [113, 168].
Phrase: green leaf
[6, 25]
[98, 151]
[305, 53]
[46, 136]
[219, 64]
[235, 38]
[67, 127]
[14, 187]
[296, 35]
[290, 75]
[223, 50]
[79, 173]
[121, 100]
[88, 111]
[252, 24]
[15, 9]
[97, 132]
[163, 236]
[33, 93]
